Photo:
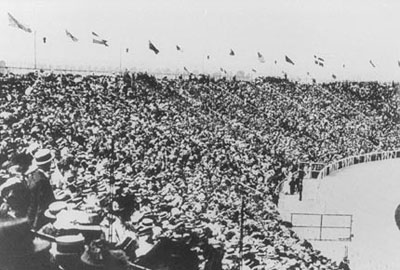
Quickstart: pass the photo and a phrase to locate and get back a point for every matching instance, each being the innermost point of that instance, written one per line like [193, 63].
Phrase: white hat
[43, 156]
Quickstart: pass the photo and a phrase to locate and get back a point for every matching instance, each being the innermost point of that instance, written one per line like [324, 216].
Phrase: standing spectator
[41, 192]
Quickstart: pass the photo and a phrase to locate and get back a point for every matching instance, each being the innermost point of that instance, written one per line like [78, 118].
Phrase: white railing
[362, 158]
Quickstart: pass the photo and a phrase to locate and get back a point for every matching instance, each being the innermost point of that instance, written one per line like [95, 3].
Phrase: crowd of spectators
[193, 158]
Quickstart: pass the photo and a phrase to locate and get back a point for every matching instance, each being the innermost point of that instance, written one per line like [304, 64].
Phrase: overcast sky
[349, 32]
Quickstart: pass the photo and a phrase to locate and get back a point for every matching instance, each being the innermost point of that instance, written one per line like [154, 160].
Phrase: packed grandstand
[196, 159]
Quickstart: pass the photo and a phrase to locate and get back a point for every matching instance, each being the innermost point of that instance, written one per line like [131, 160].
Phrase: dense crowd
[192, 158]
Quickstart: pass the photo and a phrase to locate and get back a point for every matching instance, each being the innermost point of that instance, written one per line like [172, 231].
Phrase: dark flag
[44, 39]
[372, 64]
[127, 50]
[98, 40]
[179, 48]
[260, 57]
[153, 48]
[334, 76]
[319, 61]
[208, 57]
[14, 23]
[287, 59]
[232, 53]
[74, 39]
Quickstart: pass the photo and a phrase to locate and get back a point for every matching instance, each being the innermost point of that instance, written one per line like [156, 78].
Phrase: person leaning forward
[41, 192]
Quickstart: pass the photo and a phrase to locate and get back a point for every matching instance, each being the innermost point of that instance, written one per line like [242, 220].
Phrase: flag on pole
[98, 40]
[287, 59]
[372, 64]
[14, 23]
[232, 53]
[74, 39]
[260, 57]
[153, 48]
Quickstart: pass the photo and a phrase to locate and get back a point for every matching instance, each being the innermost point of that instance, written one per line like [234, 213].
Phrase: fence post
[320, 228]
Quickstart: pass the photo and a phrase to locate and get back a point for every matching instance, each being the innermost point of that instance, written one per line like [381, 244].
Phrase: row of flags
[97, 39]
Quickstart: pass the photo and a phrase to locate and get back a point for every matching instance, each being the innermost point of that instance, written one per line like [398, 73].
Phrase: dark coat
[41, 196]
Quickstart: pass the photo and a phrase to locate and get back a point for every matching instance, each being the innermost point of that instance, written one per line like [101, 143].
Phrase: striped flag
[287, 59]
[319, 61]
[372, 64]
[232, 53]
[153, 48]
[14, 23]
[260, 57]
[98, 40]
[74, 39]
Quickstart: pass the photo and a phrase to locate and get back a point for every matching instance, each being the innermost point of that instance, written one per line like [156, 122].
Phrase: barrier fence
[323, 227]
[363, 158]
[313, 168]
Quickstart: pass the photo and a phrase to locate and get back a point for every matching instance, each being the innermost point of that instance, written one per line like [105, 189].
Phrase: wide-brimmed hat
[54, 208]
[43, 156]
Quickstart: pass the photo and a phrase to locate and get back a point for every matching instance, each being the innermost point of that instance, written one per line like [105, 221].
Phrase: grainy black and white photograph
[199, 135]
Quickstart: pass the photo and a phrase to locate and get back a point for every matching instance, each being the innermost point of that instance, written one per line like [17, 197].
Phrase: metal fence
[362, 158]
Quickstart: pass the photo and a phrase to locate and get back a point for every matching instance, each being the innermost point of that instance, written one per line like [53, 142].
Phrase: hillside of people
[196, 159]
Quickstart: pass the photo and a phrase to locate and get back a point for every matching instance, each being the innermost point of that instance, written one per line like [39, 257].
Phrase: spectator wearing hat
[41, 192]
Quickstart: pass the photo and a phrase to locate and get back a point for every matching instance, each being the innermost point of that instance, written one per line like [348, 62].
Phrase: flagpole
[34, 49]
